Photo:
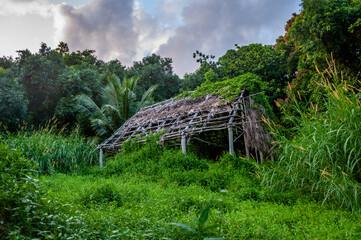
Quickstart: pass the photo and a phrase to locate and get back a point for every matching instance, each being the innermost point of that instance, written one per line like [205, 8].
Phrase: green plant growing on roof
[229, 90]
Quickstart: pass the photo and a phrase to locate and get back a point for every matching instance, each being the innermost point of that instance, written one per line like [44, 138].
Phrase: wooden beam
[116, 132]
[140, 127]
[184, 132]
[240, 135]
[170, 129]
[230, 130]
[201, 140]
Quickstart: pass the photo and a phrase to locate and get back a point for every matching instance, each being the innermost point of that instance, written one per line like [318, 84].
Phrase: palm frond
[132, 82]
[118, 104]
[114, 115]
[146, 96]
[87, 106]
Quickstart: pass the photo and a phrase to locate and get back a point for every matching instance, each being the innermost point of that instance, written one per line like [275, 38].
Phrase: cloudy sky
[130, 29]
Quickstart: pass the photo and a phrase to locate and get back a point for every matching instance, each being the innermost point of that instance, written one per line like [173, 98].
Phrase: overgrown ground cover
[131, 207]
[145, 188]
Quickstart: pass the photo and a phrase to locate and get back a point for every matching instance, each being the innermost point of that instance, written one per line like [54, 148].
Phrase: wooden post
[256, 150]
[246, 147]
[261, 156]
[183, 142]
[230, 140]
[101, 157]
[243, 113]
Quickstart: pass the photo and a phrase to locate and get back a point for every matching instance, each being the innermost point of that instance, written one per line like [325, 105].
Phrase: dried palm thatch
[185, 118]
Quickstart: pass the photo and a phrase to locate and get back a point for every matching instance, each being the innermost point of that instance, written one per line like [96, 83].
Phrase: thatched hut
[181, 120]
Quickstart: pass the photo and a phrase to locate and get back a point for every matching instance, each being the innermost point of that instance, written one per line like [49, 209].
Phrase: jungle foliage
[42, 85]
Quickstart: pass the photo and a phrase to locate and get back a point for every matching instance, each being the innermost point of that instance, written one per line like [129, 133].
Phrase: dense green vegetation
[139, 193]
[52, 188]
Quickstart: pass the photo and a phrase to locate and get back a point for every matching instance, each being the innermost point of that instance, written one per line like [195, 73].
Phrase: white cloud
[25, 24]
[20, 8]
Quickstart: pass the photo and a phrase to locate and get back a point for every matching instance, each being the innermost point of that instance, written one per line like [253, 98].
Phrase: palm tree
[119, 104]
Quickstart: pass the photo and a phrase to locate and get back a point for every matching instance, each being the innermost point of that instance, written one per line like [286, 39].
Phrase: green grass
[136, 209]
[53, 149]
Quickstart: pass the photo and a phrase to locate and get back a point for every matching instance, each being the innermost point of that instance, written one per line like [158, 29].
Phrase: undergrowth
[130, 207]
[144, 188]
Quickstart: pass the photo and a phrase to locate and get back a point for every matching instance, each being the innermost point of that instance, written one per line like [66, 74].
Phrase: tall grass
[54, 149]
[323, 158]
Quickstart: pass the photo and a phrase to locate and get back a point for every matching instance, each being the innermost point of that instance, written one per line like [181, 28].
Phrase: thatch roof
[189, 117]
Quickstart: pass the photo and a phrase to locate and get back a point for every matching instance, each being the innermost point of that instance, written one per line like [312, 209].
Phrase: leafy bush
[54, 150]
[152, 160]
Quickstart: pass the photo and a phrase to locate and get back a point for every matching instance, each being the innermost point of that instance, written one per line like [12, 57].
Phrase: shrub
[152, 160]
[177, 161]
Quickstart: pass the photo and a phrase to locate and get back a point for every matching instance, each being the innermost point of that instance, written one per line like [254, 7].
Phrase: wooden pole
[101, 157]
[183, 143]
[261, 156]
[257, 155]
[230, 140]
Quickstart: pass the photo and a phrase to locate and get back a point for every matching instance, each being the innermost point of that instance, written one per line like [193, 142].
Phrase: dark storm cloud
[214, 26]
[103, 25]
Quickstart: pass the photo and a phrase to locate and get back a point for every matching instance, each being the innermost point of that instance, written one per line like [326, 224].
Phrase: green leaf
[204, 216]
[185, 227]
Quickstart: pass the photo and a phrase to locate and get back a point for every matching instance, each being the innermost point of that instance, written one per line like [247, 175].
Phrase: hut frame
[186, 118]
